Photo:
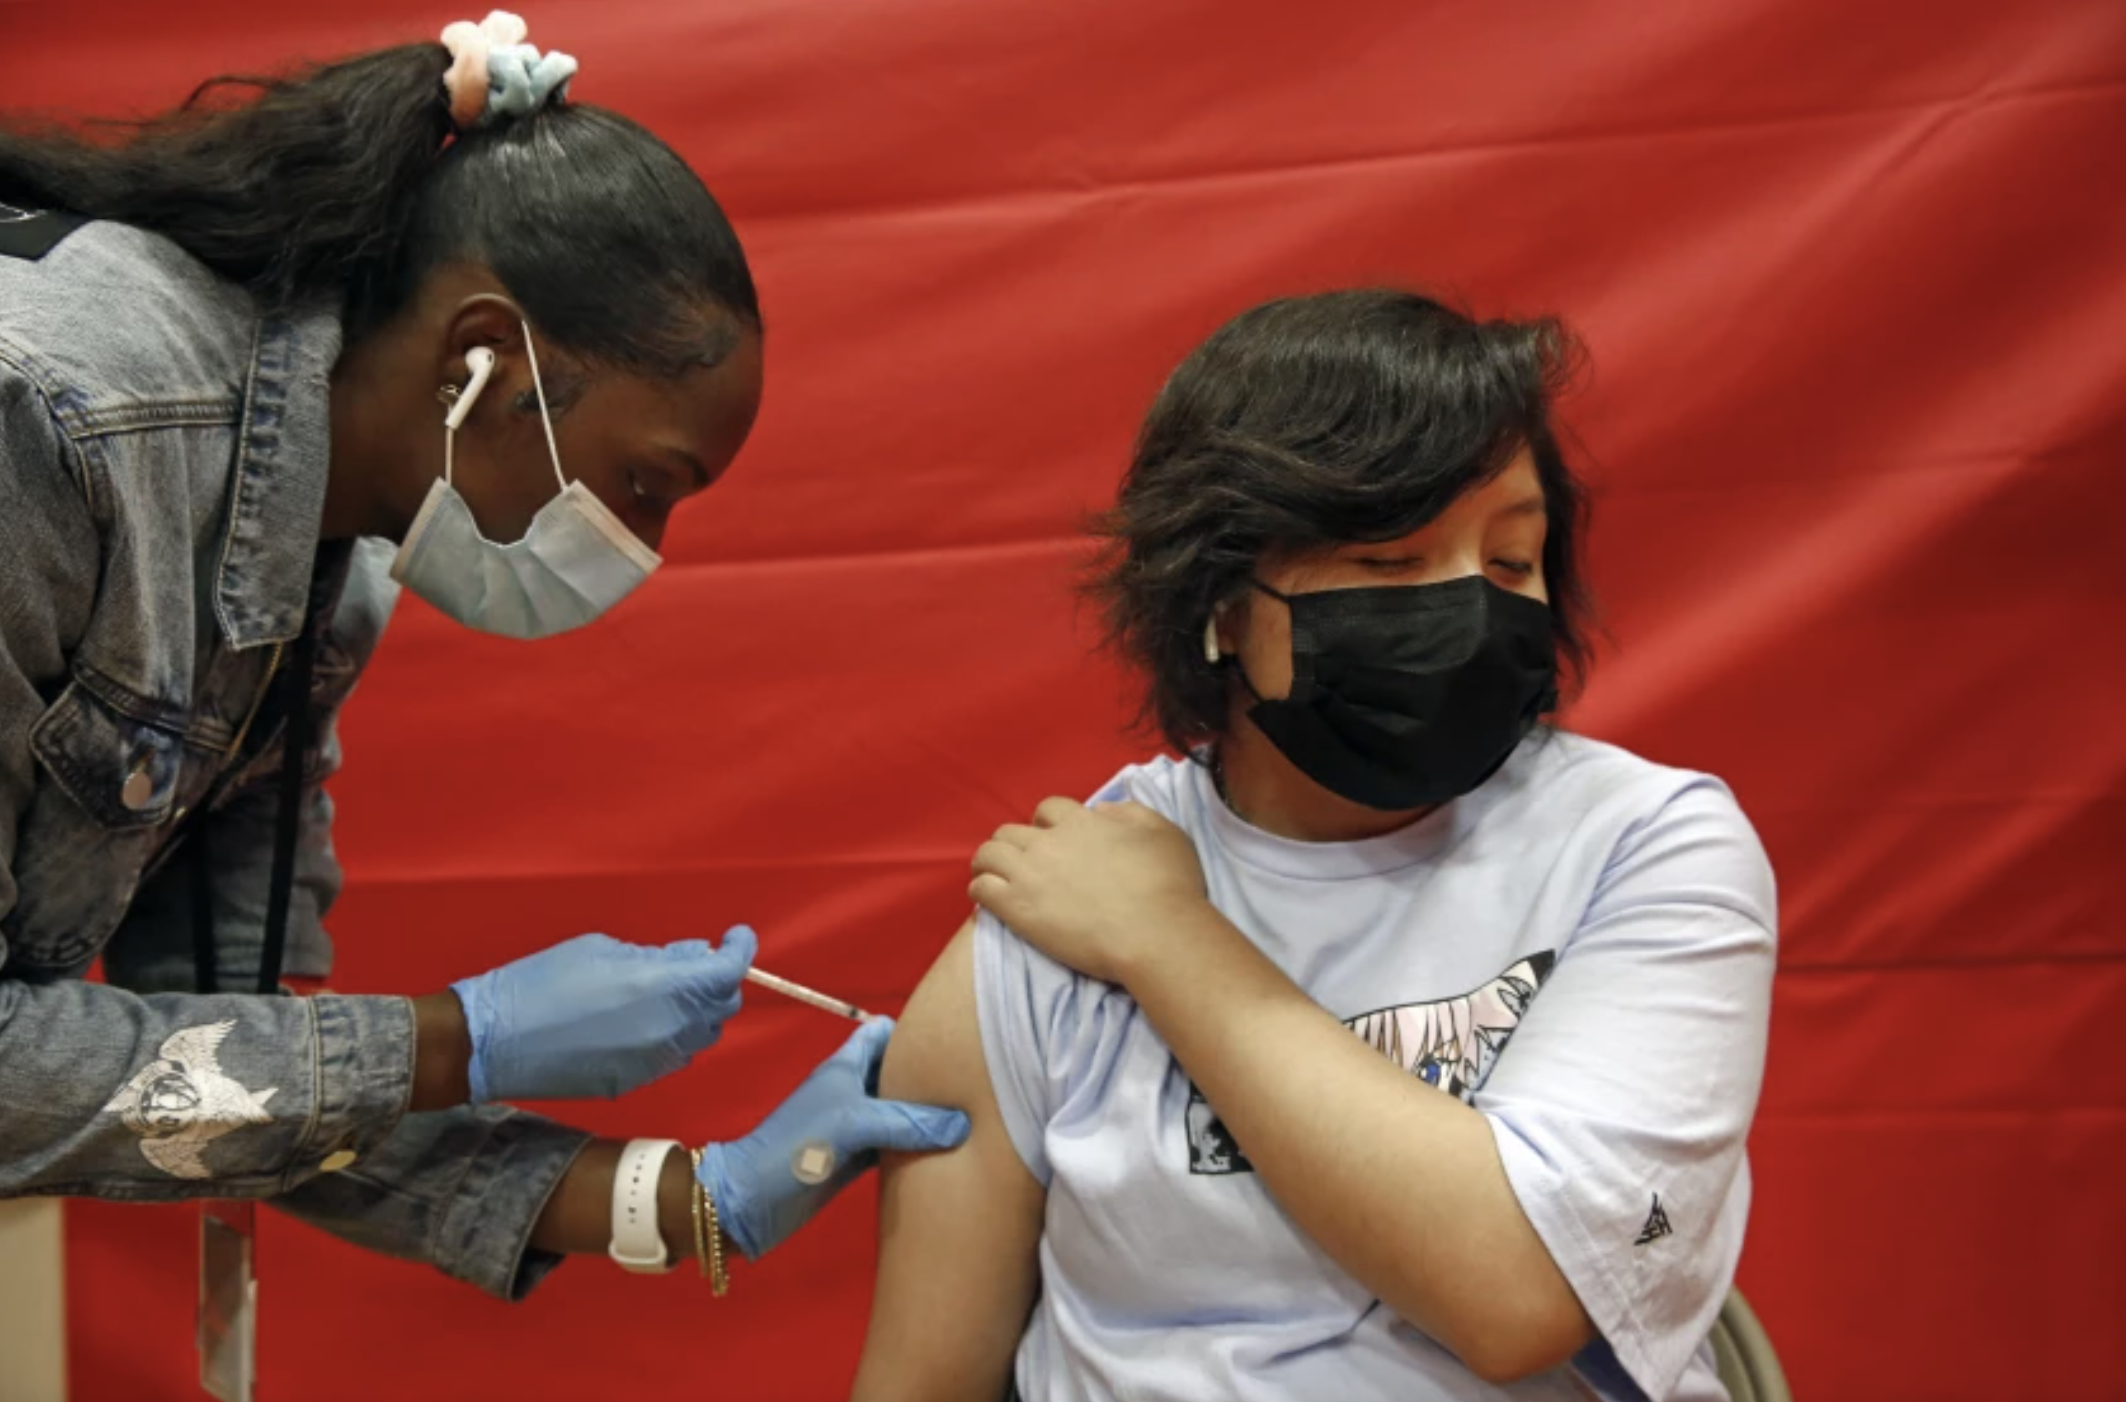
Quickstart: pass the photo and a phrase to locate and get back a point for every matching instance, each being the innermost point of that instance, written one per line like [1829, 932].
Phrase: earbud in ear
[1211, 654]
[481, 362]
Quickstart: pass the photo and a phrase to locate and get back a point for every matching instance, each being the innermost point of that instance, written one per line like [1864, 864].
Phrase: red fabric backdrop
[1854, 280]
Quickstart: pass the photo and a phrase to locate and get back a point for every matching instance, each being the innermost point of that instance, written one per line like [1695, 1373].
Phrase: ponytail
[343, 183]
[293, 193]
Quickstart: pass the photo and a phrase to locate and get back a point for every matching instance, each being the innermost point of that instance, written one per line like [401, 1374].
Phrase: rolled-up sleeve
[458, 1189]
[1622, 1106]
[107, 1094]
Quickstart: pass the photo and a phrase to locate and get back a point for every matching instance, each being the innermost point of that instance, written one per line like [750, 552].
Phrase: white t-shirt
[1582, 949]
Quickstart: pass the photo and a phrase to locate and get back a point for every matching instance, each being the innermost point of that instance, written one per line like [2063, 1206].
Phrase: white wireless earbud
[1211, 654]
[481, 362]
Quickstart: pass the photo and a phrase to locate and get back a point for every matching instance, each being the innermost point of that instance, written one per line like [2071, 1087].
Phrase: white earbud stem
[481, 362]
[1211, 654]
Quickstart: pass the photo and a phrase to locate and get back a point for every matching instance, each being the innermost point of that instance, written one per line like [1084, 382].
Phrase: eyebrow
[1527, 506]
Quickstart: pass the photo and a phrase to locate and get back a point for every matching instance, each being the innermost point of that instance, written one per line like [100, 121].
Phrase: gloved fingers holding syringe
[595, 1016]
[599, 1017]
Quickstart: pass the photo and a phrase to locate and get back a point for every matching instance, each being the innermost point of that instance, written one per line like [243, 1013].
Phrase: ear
[491, 322]
[1224, 629]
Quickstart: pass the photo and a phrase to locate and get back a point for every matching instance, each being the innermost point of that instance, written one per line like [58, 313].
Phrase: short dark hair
[1323, 420]
[348, 183]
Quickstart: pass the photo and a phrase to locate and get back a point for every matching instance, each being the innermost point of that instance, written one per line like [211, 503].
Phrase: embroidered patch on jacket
[1450, 1044]
[180, 1101]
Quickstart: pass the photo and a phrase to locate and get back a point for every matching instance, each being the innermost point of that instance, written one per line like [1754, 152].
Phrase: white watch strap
[638, 1243]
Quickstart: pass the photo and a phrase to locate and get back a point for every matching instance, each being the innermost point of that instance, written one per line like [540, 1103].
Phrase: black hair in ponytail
[337, 184]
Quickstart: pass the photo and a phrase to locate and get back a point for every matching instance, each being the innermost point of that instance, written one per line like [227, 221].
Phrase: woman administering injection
[222, 351]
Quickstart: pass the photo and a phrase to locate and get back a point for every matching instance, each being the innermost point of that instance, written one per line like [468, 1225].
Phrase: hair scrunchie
[495, 74]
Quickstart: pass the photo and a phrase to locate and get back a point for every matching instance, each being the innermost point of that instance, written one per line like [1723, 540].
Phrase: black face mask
[1408, 695]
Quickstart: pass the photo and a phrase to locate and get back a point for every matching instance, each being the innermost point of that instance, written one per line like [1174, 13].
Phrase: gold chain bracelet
[694, 1201]
[708, 1234]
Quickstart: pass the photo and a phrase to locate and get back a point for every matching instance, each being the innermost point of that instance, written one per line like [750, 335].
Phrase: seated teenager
[1393, 1044]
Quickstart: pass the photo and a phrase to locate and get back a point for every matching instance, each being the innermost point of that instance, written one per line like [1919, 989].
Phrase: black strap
[289, 819]
[294, 706]
[31, 233]
[199, 860]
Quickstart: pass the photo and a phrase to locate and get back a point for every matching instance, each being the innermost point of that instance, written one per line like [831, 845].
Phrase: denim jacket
[163, 452]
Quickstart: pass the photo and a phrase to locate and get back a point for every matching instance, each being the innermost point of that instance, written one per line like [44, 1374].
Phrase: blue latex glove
[759, 1197]
[598, 1017]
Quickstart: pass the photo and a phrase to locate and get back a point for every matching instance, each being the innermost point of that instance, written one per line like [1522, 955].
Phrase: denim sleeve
[459, 1189]
[106, 1093]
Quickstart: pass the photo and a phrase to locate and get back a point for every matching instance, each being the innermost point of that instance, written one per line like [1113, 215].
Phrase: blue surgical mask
[575, 562]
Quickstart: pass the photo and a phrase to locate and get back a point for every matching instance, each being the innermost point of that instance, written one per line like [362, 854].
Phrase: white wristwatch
[638, 1242]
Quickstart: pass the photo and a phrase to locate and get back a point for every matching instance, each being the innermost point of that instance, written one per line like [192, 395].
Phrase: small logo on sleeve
[1656, 1225]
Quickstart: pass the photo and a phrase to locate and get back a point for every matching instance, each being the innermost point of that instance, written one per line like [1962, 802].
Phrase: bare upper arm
[959, 1231]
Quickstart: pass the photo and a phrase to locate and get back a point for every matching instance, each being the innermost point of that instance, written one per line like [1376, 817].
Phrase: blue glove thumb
[706, 980]
[759, 1195]
[901, 1128]
[893, 1125]
[720, 966]
[740, 945]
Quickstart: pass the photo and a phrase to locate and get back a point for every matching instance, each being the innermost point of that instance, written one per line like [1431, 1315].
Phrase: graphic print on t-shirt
[1450, 1044]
